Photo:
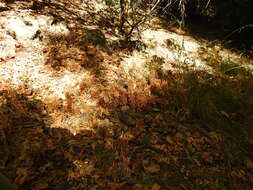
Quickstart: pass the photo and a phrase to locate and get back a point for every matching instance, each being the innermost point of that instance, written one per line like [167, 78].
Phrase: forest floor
[170, 111]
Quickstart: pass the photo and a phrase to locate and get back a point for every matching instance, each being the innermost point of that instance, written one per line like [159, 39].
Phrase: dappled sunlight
[183, 50]
[23, 29]
[28, 68]
[173, 48]
[24, 61]
[135, 63]
[84, 107]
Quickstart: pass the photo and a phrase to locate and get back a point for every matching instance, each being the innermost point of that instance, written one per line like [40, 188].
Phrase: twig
[135, 25]
[239, 29]
[207, 4]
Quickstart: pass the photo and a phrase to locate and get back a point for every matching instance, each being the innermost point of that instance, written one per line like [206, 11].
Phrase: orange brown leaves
[69, 102]
[158, 86]
[207, 157]
[156, 187]
[87, 83]
[23, 175]
[139, 187]
[138, 93]
[113, 96]
[67, 52]
[53, 105]
[152, 168]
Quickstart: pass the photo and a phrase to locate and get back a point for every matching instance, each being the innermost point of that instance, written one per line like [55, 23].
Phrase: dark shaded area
[29, 151]
[229, 21]
[2, 9]
[167, 141]
[97, 38]
[232, 18]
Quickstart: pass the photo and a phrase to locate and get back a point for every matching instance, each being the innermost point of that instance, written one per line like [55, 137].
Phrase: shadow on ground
[189, 130]
[195, 134]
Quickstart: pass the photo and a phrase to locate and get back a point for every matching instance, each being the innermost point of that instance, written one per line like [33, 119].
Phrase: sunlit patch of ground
[179, 51]
[27, 67]
[23, 63]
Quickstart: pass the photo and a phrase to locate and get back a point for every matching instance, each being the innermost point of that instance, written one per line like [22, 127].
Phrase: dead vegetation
[76, 117]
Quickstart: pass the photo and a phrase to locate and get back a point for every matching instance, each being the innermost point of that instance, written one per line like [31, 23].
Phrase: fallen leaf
[178, 137]
[173, 159]
[224, 114]
[22, 176]
[139, 187]
[153, 168]
[169, 140]
[40, 185]
[206, 157]
[128, 136]
[115, 186]
[214, 136]
[155, 187]
[184, 186]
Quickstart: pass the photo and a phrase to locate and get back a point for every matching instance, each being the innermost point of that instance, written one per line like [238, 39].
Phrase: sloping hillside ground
[169, 112]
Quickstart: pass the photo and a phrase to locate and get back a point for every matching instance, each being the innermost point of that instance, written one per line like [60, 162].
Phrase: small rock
[96, 38]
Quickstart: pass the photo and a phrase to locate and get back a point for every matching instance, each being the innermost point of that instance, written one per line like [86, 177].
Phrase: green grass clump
[233, 69]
